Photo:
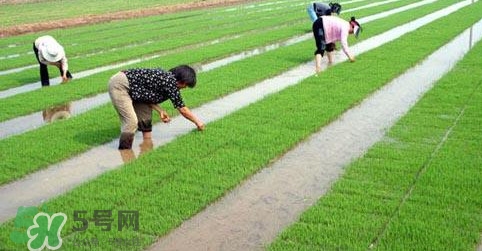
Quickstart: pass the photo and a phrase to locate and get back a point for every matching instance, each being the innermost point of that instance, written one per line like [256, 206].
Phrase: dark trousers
[44, 72]
[319, 34]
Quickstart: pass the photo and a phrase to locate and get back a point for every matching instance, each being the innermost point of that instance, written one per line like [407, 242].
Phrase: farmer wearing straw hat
[316, 10]
[49, 52]
[329, 29]
[136, 92]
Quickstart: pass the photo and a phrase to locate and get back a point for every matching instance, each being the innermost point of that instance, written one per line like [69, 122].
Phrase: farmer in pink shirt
[329, 29]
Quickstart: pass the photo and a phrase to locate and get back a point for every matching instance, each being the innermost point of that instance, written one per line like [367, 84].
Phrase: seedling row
[179, 186]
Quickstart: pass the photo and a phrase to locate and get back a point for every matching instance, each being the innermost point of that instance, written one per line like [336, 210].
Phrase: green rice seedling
[167, 40]
[21, 105]
[437, 200]
[151, 29]
[142, 29]
[109, 127]
[103, 119]
[170, 187]
[163, 43]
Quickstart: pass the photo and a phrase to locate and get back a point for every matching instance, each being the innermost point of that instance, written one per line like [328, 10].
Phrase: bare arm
[345, 47]
[186, 113]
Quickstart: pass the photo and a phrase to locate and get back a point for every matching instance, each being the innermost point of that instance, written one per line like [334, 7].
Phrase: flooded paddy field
[279, 142]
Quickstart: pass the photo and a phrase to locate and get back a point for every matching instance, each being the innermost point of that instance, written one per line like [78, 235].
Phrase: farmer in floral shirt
[136, 92]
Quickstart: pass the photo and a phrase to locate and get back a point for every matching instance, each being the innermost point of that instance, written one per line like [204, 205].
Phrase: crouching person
[136, 92]
[49, 52]
[316, 10]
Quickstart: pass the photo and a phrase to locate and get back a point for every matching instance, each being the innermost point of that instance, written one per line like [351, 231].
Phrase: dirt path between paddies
[252, 215]
[33, 189]
[93, 19]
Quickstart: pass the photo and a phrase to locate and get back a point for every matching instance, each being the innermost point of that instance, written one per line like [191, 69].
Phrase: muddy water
[33, 121]
[38, 187]
[253, 214]
[56, 81]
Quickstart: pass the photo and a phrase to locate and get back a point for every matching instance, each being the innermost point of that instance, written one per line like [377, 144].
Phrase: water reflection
[146, 146]
[128, 155]
[58, 112]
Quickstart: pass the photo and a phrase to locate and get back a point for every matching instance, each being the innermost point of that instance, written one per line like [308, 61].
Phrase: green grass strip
[80, 41]
[22, 104]
[443, 212]
[159, 28]
[55, 142]
[172, 183]
[166, 39]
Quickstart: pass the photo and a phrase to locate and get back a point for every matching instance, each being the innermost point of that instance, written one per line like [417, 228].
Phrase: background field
[41, 11]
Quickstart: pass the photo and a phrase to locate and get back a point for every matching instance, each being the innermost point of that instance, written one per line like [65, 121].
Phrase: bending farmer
[49, 52]
[136, 92]
[316, 10]
[329, 29]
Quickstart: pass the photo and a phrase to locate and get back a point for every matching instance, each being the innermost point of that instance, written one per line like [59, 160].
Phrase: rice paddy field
[413, 180]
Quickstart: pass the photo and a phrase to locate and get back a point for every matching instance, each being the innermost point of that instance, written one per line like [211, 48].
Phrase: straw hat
[52, 51]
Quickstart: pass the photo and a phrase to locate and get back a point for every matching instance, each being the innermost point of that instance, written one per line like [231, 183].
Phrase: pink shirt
[337, 29]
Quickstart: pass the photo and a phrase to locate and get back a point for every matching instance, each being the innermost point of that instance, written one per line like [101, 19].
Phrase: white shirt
[39, 44]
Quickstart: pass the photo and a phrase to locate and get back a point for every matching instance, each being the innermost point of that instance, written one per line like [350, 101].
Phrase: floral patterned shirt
[153, 86]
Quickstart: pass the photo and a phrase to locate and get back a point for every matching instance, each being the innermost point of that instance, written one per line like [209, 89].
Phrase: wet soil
[93, 19]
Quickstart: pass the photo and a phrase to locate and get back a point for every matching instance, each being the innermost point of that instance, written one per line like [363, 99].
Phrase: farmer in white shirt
[49, 52]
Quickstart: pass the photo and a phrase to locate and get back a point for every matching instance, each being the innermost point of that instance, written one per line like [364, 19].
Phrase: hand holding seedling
[186, 113]
[200, 126]
[65, 79]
